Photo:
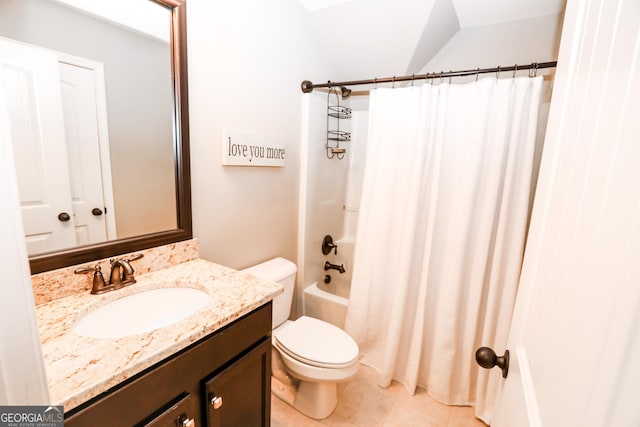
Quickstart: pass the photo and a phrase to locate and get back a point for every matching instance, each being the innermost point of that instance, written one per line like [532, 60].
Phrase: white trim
[528, 390]
[302, 194]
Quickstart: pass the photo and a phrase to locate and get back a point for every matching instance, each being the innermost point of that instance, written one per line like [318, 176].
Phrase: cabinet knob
[189, 422]
[216, 402]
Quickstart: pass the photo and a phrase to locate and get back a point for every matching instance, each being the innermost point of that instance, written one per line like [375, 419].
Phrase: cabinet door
[179, 414]
[240, 394]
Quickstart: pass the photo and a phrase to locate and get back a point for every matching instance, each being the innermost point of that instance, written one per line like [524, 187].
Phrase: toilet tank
[282, 271]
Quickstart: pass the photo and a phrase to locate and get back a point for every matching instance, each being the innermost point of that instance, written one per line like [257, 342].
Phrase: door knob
[96, 211]
[64, 217]
[487, 358]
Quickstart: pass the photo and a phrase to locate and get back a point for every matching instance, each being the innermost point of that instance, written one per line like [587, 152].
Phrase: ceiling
[365, 38]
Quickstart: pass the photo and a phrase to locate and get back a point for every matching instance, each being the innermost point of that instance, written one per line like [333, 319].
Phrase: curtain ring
[477, 72]
[393, 82]
[498, 73]
[450, 72]
[413, 77]
[375, 83]
[441, 74]
[533, 70]
[515, 69]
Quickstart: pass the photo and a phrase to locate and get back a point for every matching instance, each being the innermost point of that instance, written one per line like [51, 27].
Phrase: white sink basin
[142, 312]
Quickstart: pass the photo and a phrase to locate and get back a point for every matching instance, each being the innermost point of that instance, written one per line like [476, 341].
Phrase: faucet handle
[129, 259]
[328, 245]
[99, 285]
[86, 270]
[134, 257]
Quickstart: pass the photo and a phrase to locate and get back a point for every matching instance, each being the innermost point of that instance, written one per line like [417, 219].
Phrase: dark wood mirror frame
[72, 256]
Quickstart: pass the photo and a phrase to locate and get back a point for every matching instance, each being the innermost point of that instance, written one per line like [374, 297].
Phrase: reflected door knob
[64, 217]
[487, 358]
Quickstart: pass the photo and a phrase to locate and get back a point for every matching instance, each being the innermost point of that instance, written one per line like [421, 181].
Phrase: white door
[58, 115]
[24, 381]
[31, 91]
[575, 336]
[87, 149]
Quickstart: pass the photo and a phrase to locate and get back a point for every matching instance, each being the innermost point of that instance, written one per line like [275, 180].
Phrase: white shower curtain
[441, 232]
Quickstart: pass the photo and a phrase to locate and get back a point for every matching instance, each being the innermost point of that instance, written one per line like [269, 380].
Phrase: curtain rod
[307, 86]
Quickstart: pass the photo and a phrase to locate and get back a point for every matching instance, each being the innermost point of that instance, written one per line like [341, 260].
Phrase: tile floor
[362, 403]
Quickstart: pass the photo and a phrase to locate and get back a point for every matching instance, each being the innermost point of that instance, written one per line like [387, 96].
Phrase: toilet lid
[317, 343]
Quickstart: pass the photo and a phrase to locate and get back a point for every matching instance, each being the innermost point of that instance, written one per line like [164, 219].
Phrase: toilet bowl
[309, 356]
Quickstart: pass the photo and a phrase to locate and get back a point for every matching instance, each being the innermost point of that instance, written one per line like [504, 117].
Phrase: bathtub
[324, 305]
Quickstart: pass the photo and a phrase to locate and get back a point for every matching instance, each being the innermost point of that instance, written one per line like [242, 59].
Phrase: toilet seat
[316, 343]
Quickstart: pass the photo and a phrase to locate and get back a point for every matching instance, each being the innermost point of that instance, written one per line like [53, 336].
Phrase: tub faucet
[329, 266]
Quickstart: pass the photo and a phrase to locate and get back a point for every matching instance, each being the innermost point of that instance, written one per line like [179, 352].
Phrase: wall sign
[240, 148]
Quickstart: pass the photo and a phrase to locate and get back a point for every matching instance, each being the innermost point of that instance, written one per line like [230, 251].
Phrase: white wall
[377, 38]
[322, 210]
[246, 62]
[517, 42]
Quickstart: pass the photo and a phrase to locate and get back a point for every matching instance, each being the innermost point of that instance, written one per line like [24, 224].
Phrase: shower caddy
[335, 136]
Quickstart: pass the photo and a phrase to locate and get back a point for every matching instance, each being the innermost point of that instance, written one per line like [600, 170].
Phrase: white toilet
[309, 356]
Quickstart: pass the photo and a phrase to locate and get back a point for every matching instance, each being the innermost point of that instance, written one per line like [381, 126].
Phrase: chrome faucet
[329, 266]
[121, 275]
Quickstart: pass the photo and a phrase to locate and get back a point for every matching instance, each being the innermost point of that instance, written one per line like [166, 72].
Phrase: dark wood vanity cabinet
[234, 393]
[222, 380]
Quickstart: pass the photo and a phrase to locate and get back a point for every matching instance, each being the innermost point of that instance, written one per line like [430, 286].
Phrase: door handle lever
[487, 358]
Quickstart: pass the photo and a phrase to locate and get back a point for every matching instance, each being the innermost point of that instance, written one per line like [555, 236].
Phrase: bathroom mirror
[145, 124]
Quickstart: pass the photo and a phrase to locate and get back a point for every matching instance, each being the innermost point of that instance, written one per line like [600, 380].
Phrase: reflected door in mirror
[137, 170]
[85, 123]
[53, 161]
[141, 46]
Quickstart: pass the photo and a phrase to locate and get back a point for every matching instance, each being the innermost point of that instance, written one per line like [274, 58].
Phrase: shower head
[346, 92]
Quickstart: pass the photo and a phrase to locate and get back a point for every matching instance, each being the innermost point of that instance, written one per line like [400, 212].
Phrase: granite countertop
[80, 368]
